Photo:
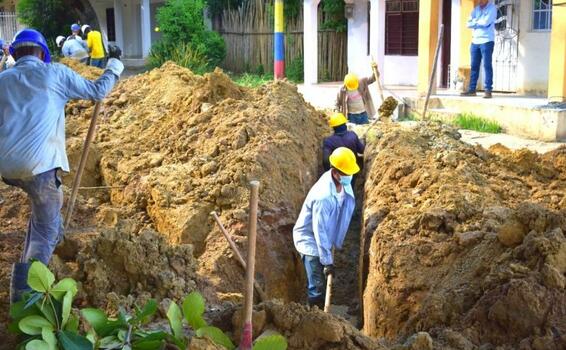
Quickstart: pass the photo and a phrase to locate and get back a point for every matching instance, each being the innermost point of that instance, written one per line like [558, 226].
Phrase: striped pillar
[279, 41]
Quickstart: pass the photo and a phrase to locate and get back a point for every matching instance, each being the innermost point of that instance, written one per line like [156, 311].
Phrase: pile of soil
[303, 327]
[465, 243]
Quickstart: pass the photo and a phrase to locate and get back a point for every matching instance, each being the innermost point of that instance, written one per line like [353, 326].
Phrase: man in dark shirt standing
[342, 137]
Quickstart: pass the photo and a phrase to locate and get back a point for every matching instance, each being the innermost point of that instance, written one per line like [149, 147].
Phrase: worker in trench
[324, 220]
[354, 99]
[33, 95]
[342, 137]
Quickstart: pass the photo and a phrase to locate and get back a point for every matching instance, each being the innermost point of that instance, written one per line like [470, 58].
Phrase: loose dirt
[464, 243]
[171, 147]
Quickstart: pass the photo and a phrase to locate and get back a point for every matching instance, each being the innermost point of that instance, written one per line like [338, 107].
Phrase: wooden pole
[82, 164]
[433, 74]
[246, 341]
[375, 71]
[328, 296]
[259, 290]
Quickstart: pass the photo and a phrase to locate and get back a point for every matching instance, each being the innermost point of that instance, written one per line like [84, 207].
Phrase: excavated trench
[451, 246]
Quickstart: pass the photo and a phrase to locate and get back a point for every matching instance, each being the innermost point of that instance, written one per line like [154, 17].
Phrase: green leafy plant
[182, 22]
[251, 80]
[50, 17]
[45, 321]
[44, 317]
[182, 54]
[472, 122]
[192, 310]
[294, 70]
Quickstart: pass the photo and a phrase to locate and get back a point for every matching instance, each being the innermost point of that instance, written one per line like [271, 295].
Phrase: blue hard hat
[30, 37]
[75, 27]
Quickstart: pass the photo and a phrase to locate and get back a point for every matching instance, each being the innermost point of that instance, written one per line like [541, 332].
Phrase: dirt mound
[174, 146]
[463, 243]
[303, 328]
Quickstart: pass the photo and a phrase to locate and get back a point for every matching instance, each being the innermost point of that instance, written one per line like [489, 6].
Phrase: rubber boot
[19, 282]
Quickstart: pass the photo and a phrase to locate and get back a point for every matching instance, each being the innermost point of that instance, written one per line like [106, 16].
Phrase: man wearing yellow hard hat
[354, 99]
[324, 220]
[342, 137]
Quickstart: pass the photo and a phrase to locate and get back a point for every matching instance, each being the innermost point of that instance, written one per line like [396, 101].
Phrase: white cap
[84, 27]
[59, 40]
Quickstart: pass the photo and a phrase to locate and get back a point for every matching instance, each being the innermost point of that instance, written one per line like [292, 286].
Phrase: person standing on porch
[354, 99]
[482, 23]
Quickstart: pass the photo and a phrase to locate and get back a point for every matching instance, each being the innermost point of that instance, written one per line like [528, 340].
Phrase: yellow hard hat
[351, 81]
[337, 119]
[344, 160]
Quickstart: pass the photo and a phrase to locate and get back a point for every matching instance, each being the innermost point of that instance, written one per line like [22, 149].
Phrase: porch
[531, 117]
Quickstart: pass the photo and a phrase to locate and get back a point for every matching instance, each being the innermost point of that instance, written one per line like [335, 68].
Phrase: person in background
[354, 99]
[75, 32]
[72, 48]
[95, 46]
[324, 220]
[482, 23]
[6, 60]
[342, 137]
[33, 95]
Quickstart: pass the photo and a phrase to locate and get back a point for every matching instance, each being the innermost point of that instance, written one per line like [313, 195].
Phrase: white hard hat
[60, 40]
[84, 27]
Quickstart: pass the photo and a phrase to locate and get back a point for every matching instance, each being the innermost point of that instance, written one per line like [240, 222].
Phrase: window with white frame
[542, 14]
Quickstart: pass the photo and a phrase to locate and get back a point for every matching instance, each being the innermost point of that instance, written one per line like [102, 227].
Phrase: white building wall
[358, 58]
[534, 54]
[400, 70]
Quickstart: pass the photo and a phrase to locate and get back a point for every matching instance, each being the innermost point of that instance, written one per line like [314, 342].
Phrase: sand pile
[176, 146]
[464, 243]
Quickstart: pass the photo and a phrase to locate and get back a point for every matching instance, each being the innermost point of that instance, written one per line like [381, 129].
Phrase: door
[506, 50]
[447, 21]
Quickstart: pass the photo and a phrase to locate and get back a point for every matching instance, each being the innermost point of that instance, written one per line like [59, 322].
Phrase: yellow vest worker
[95, 46]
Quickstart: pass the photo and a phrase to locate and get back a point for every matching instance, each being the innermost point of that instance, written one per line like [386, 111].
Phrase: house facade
[130, 24]
[401, 36]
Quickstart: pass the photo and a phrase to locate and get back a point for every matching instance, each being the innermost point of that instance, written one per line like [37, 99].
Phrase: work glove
[115, 66]
[328, 270]
[114, 52]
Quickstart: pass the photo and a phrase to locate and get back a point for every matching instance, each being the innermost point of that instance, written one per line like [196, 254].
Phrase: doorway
[445, 53]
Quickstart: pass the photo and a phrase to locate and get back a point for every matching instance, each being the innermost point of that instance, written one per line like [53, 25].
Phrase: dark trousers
[478, 53]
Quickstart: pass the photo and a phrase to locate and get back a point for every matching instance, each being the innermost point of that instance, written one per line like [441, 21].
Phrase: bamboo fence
[248, 34]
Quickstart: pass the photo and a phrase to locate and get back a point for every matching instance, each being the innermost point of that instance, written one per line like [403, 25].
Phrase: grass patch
[251, 80]
[469, 121]
[410, 116]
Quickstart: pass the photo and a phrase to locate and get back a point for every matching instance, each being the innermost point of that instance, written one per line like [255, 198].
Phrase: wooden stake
[246, 341]
[433, 74]
[259, 290]
[328, 296]
[82, 164]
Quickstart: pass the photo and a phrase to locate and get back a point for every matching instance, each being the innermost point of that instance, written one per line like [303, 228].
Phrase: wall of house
[534, 54]
[400, 70]
[131, 23]
[358, 58]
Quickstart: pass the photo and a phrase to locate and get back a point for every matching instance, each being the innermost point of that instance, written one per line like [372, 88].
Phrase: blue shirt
[323, 223]
[482, 23]
[33, 95]
[75, 48]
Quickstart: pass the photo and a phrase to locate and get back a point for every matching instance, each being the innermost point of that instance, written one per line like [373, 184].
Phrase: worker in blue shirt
[342, 137]
[73, 48]
[33, 95]
[482, 22]
[324, 220]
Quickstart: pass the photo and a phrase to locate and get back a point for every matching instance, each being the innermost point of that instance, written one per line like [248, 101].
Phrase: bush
[182, 23]
[294, 70]
[50, 17]
[182, 54]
